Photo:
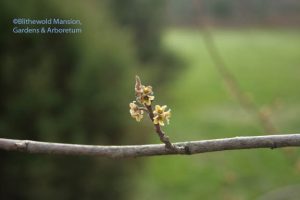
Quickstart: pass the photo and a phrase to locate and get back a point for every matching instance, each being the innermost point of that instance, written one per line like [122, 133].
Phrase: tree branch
[233, 85]
[192, 147]
[229, 79]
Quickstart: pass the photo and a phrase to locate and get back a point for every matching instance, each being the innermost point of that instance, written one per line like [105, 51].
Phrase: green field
[266, 64]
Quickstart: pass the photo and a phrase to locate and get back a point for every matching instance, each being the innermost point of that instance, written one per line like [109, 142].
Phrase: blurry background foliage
[74, 89]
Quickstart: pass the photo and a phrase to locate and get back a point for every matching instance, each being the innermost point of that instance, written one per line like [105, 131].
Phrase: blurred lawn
[267, 66]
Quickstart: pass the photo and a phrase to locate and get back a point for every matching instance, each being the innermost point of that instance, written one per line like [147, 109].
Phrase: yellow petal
[139, 117]
[131, 105]
[161, 122]
[151, 98]
[147, 90]
[148, 102]
[157, 107]
[155, 121]
[131, 112]
[167, 114]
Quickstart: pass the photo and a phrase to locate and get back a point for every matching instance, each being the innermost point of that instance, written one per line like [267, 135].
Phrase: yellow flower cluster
[144, 96]
[160, 115]
[135, 112]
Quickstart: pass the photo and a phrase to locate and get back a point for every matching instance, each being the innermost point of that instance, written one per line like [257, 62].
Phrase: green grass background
[266, 64]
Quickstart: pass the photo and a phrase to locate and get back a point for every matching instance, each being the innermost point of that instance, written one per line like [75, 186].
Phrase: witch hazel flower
[160, 115]
[135, 112]
[144, 94]
[144, 99]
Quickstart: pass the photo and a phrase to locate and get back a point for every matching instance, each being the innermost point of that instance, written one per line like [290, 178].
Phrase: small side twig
[228, 77]
[144, 109]
[233, 85]
[162, 136]
[144, 99]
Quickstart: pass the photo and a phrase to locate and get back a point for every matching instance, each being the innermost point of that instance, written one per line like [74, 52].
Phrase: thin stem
[144, 109]
[232, 83]
[162, 136]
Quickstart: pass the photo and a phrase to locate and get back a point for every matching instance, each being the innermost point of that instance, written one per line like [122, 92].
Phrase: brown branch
[192, 147]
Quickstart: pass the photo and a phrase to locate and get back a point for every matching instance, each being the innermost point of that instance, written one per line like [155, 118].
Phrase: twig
[144, 109]
[162, 136]
[192, 147]
[233, 84]
[142, 92]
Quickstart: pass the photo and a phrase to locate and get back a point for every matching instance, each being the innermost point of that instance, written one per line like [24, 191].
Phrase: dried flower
[135, 112]
[147, 90]
[144, 97]
[144, 94]
[138, 86]
[160, 115]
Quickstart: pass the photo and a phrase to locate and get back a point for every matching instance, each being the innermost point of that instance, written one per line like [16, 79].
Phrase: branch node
[183, 148]
[22, 146]
[187, 150]
[274, 145]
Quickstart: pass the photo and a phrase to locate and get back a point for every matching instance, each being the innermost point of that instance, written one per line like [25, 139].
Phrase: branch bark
[185, 148]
